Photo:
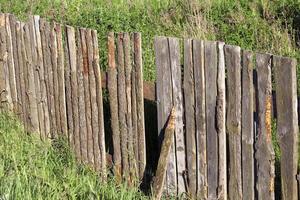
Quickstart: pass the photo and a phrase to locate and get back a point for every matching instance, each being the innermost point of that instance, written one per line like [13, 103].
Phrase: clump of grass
[32, 169]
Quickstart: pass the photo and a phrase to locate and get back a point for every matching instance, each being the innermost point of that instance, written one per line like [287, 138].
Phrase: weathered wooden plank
[70, 33]
[179, 149]
[221, 124]
[164, 155]
[81, 100]
[32, 116]
[36, 75]
[60, 79]
[200, 118]
[287, 124]
[101, 136]
[211, 67]
[69, 91]
[189, 99]
[113, 102]
[93, 100]
[122, 105]
[10, 64]
[264, 154]
[138, 64]
[247, 126]
[233, 121]
[87, 95]
[43, 102]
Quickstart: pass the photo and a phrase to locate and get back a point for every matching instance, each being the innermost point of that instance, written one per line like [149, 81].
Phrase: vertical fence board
[247, 126]
[179, 114]
[200, 117]
[221, 121]
[101, 136]
[264, 150]
[287, 124]
[190, 116]
[211, 66]
[113, 102]
[233, 121]
[138, 64]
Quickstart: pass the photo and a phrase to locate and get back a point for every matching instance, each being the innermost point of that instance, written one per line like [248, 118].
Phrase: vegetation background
[35, 170]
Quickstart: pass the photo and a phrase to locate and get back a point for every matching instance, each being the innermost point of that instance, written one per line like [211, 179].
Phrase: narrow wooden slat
[221, 121]
[247, 126]
[93, 100]
[113, 102]
[140, 102]
[190, 116]
[69, 91]
[264, 154]
[61, 82]
[211, 66]
[233, 121]
[87, 95]
[36, 76]
[81, 101]
[200, 117]
[164, 155]
[101, 136]
[287, 124]
[32, 115]
[178, 106]
[10, 64]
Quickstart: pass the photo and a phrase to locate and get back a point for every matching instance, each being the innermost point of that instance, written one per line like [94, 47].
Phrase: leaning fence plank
[188, 85]
[81, 101]
[247, 126]
[199, 76]
[287, 124]
[221, 121]
[113, 102]
[164, 155]
[178, 105]
[264, 150]
[233, 122]
[32, 117]
[10, 63]
[101, 136]
[140, 102]
[211, 66]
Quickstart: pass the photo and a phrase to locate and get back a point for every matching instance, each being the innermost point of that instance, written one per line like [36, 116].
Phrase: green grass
[32, 169]
[258, 25]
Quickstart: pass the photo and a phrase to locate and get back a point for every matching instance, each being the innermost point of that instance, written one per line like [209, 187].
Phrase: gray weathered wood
[221, 124]
[233, 121]
[264, 154]
[113, 102]
[211, 67]
[164, 155]
[200, 117]
[138, 64]
[179, 149]
[189, 99]
[287, 124]
[247, 126]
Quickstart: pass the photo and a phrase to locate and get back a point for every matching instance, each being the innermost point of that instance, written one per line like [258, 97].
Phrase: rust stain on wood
[268, 117]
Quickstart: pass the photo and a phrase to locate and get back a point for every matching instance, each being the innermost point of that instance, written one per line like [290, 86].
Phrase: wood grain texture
[200, 117]
[287, 123]
[189, 99]
[233, 121]
[247, 126]
[221, 124]
[264, 154]
[211, 67]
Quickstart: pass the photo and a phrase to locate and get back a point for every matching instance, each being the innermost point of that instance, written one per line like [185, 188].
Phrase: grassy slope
[260, 25]
[31, 169]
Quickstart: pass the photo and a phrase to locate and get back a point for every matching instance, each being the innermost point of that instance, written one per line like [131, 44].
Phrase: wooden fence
[223, 136]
